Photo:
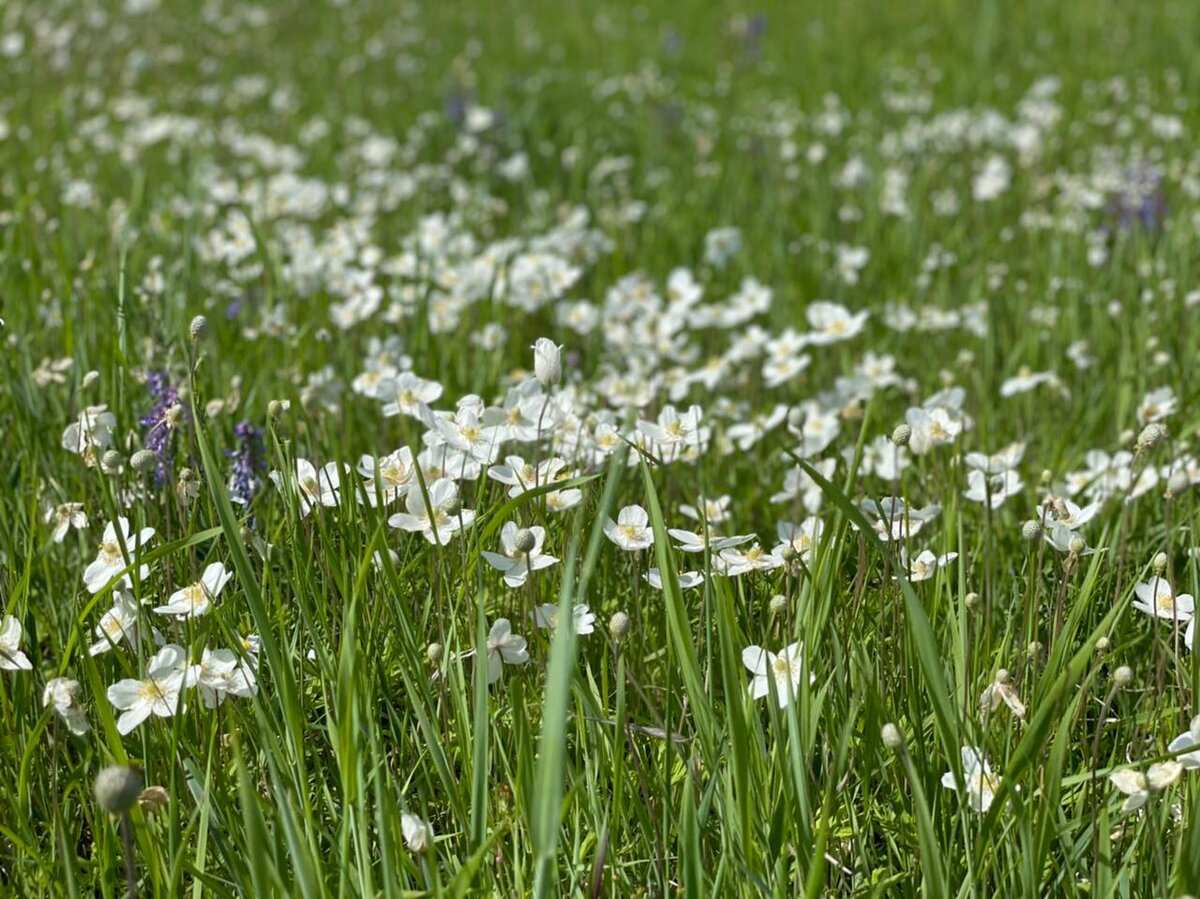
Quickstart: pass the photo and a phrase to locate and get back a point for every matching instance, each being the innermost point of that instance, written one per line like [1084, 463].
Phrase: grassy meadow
[599, 450]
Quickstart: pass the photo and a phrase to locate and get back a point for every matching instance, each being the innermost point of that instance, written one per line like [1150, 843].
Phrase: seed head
[110, 462]
[901, 435]
[117, 788]
[778, 604]
[1031, 530]
[435, 652]
[144, 461]
[524, 541]
[198, 328]
[618, 626]
[1152, 435]
[1159, 563]
[1123, 677]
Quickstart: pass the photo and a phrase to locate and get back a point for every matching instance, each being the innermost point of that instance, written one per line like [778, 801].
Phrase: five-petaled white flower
[522, 553]
[1155, 597]
[439, 519]
[583, 619]
[1137, 786]
[631, 531]
[167, 675]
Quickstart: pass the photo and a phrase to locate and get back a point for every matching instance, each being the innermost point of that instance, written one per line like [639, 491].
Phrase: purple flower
[1140, 201]
[160, 428]
[249, 458]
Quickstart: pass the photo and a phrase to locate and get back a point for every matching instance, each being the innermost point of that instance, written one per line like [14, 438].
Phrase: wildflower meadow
[525, 448]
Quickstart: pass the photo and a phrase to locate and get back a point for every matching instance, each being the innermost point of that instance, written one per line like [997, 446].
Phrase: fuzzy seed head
[117, 788]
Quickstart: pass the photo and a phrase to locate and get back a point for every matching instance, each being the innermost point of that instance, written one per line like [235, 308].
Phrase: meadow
[602, 450]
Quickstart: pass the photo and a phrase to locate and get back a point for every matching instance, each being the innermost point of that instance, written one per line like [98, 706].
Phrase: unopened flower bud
[91, 379]
[1031, 530]
[435, 652]
[618, 626]
[1102, 644]
[524, 541]
[276, 408]
[901, 435]
[547, 361]
[144, 461]
[110, 462]
[778, 604]
[971, 601]
[1159, 563]
[117, 788]
[1047, 476]
[198, 328]
[1123, 677]
[892, 738]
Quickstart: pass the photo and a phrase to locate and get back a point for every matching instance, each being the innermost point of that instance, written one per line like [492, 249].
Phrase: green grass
[157, 165]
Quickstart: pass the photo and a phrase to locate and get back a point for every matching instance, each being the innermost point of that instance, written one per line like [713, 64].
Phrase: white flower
[1059, 512]
[631, 530]
[800, 538]
[313, 487]
[440, 519]
[832, 322]
[220, 674]
[196, 599]
[63, 694]
[1156, 598]
[930, 428]
[389, 477]
[1189, 739]
[418, 835]
[547, 361]
[504, 648]
[980, 784]
[925, 565]
[516, 563]
[1000, 692]
[11, 657]
[687, 579]
[690, 542]
[92, 431]
[65, 517]
[110, 561]
[784, 669]
[584, 620]
[167, 675]
[118, 624]
[408, 395]
[993, 489]
[1137, 786]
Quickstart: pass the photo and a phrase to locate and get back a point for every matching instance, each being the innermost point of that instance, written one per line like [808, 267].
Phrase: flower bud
[91, 379]
[1031, 530]
[435, 652]
[547, 361]
[788, 552]
[1123, 677]
[117, 788]
[152, 799]
[198, 328]
[1159, 563]
[901, 435]
[418, 835]
[778, 604]
[1003, 676]
[618, 626]
[971, 601]
[144, 461]
[276, 408]
[1102, 644]
[892, 738]
[524, 541]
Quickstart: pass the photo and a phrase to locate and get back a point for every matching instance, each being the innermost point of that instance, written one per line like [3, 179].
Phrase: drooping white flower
[583, 619]
[504, 648]
[63, 694]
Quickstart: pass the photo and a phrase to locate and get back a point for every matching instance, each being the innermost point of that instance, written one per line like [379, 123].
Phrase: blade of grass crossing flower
[551, 759]
[678, 626]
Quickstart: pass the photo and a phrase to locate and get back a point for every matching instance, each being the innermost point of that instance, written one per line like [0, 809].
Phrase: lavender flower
[1140, 201]
[249, 458]
[160, 434]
